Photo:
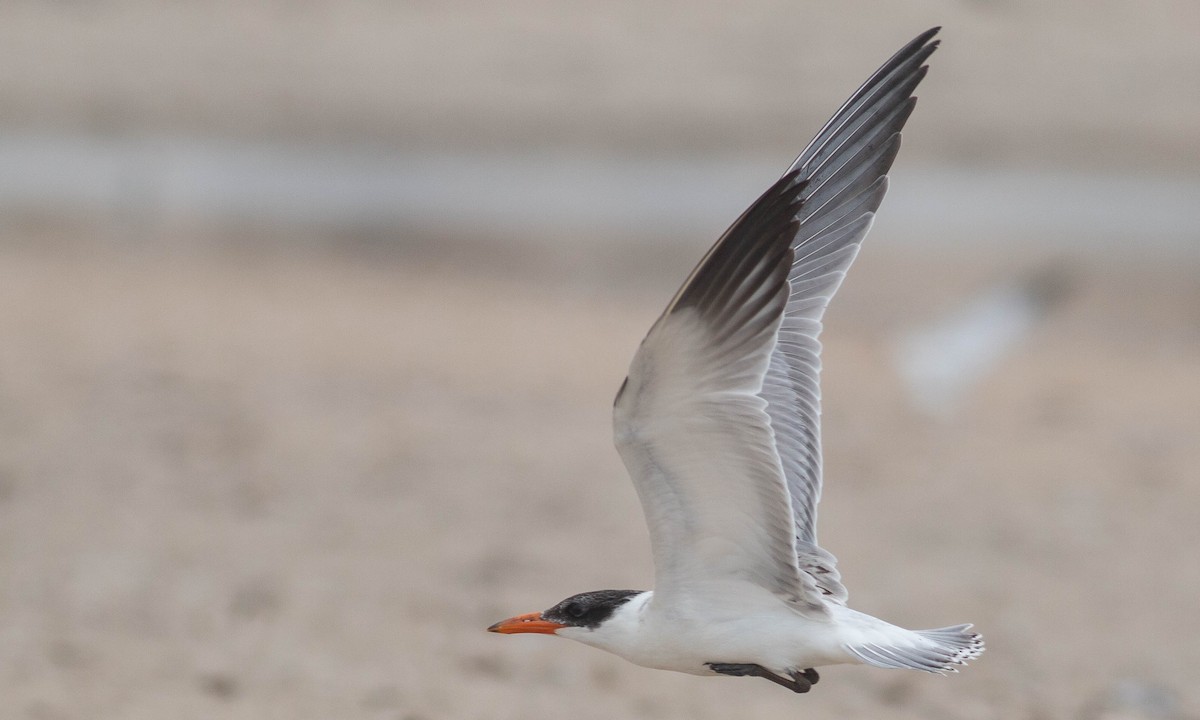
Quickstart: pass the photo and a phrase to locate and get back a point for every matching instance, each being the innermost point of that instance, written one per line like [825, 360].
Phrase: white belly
[754, 627]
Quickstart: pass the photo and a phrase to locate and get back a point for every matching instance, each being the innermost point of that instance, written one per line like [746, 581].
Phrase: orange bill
[527, 623]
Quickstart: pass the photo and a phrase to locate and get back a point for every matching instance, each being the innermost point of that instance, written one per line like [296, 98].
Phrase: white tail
[936, 651]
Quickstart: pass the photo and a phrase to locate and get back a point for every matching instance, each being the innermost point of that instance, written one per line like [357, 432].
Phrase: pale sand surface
[301, 484]
[1084, 83]
[245, 475]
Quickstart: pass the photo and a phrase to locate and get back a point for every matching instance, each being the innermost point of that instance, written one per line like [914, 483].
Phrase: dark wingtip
[924, 42]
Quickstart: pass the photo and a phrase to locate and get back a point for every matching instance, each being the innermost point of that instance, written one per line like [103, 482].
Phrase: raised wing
[693, 429]
[845, 167]
[718, 421]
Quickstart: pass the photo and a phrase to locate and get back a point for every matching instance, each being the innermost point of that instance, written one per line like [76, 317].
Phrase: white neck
[619, 634]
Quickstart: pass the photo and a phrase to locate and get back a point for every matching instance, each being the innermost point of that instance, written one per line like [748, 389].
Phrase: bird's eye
[575, 610]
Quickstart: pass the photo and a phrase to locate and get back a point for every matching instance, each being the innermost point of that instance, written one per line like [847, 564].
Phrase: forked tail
[937, 651]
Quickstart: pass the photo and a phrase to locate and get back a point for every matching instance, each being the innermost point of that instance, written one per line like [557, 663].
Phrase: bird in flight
[718, 423]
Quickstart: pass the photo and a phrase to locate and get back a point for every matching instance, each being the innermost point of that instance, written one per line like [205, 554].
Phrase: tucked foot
[737, 669]
[799, 682]
[809, 674]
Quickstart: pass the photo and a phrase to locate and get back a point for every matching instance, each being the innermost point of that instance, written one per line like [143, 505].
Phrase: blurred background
[312, 312]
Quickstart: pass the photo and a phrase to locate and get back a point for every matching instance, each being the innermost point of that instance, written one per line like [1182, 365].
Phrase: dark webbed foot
[809, 674]
[799, 682]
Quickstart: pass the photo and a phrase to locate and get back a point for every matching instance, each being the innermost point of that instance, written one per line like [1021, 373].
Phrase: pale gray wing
[844, 170]
[691, 424]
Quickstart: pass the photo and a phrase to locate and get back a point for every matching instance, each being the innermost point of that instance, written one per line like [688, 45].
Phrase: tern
[717, 423]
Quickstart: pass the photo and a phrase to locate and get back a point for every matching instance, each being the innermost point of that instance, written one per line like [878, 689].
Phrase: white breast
[747, 624]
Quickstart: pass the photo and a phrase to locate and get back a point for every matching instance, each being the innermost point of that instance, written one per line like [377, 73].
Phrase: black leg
[809, 674]
[799, 682]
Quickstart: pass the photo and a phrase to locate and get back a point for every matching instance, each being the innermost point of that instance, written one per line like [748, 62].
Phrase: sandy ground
[300, 484]
[1084, 83]
[295, 472]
